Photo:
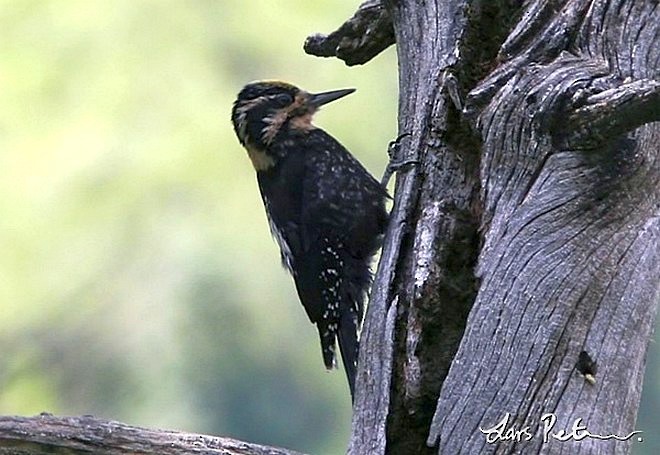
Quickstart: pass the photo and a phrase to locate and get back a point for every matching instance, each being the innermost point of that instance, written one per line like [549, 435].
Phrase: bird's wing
[287, 235]
[333, 201]
[332, 189]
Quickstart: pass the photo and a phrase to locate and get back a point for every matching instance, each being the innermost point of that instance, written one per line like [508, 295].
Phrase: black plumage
[325, 210]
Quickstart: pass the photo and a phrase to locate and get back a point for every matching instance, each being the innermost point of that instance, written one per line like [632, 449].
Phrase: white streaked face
[261, 109]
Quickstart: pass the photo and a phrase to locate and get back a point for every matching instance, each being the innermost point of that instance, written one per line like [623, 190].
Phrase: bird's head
[265, 110]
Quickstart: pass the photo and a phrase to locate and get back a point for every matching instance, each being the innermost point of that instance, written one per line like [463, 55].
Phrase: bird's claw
[396, 163]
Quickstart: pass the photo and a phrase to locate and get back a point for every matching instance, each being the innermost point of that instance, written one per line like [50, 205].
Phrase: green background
[138, 278]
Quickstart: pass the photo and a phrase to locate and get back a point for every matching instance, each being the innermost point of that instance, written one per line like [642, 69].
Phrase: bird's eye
[283, 99]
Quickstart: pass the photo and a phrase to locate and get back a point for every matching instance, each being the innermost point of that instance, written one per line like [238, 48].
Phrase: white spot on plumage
[285, 250]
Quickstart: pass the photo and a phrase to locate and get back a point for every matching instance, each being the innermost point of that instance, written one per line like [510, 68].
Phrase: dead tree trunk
[521, 271]
[525, 242]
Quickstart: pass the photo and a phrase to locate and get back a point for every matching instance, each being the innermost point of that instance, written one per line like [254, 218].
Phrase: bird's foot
[396, 163]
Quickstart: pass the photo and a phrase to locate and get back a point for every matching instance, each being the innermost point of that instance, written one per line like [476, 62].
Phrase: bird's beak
[319, 99]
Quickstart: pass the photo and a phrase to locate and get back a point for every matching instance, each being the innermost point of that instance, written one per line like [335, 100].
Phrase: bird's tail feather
[328, 336]
[349, 348]
[342, 317]
[356, 283]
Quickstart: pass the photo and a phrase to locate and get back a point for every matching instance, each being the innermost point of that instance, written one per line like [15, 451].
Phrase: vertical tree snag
[527, 236]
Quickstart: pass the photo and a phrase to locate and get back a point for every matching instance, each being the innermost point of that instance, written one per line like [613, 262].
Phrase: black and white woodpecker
[325, 210]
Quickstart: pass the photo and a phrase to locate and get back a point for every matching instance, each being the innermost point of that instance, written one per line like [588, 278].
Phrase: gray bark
[47, 434]
[525, 239]
[528, 233]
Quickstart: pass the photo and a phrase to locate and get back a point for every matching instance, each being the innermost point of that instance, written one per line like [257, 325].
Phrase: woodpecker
[326, 212]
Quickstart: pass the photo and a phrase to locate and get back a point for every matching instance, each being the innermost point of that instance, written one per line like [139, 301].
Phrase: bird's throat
[260, 159]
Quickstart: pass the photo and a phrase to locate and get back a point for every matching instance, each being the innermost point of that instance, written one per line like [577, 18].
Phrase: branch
[536, 39]
[47, 434]
[366, 34]
[610, 113]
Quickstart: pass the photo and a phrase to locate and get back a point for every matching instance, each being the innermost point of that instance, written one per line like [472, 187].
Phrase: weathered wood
[535, 208]
[363, 36]
[594, 119]
[47, 434]
[571, 258]
[421, 99]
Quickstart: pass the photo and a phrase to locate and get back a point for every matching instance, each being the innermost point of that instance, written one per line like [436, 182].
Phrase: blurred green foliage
[138, 279]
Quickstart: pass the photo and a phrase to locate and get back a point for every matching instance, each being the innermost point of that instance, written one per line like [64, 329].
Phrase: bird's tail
[328, 334]
[357, 279]
[345, 331]
[343, 300]
[349, 347]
